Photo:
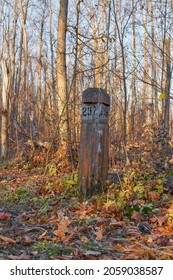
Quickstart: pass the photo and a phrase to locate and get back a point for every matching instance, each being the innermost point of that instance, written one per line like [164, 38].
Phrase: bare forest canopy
[51, 51]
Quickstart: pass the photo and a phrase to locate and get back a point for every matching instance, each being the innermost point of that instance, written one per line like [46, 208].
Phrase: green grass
[51, 250]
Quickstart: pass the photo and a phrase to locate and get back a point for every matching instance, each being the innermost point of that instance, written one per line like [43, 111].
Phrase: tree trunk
[167, 85]
[4, 120]
[145, 71]
[153, 69]
[61, 73]
[133, 104]
[24, 74]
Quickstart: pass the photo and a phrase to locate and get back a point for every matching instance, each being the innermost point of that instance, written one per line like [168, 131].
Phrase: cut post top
[96, 95]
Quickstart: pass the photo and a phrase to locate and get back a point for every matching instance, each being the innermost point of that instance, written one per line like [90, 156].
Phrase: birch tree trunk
[61, 72]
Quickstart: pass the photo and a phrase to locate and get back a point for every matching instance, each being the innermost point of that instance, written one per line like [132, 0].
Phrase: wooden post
[94, 141]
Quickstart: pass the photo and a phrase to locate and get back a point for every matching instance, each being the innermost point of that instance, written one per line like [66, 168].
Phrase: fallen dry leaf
[43, 219]
[116, 223]
[59, 234]
[118, 246]
[26, 240]
[84, 239]
[99, 233]
[21, 257]
[4, 216]
[41, 236]
[70, 236]
[136, 216]
[162, 220]
[82, 214]
[170, 210]
[92, 253]
[149, 241]
[6, 239]
[153, 196]
[63, 224]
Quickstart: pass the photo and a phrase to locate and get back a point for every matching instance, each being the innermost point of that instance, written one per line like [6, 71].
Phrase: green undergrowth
[50, 250]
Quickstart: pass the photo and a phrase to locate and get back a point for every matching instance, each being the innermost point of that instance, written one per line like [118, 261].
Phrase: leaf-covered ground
[44, 216]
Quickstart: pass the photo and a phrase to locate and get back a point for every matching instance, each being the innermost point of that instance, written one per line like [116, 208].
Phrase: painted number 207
[89, 111]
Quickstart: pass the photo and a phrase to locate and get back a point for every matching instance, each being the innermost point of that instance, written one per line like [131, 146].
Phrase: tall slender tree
[5, 113]
[61, 73]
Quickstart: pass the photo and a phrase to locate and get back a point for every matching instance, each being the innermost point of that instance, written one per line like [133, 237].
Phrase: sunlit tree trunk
[61, 72]
[120, 35]
[24, 42]
[4, 117]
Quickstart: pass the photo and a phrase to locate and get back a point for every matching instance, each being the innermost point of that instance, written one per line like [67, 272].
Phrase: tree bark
[4, 119]
[61, 73]
[167, 85]
[133, 105]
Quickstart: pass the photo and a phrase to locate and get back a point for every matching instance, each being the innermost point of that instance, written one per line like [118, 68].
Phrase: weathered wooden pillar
[94, 141]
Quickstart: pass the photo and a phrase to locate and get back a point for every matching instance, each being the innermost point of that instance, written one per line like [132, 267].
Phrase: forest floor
[44, 216]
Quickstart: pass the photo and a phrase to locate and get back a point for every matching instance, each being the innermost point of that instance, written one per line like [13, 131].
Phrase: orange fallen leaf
[63, 224]
[154, 196]
[6, 239]
[136, 216]
[118, 246]
[43, 219]
[99, 233]
[26, 240]
[82, 214]
[70, 236]
[149, 241]
[170, 210]
[153, 219]
[4, 216]
[59, 234]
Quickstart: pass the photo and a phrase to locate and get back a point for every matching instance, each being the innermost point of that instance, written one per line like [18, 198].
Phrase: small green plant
[129, 210]
[51, 249]
[139, 190]
[51, 169]
[70, 179]
[70, 182]
[90, 245]
[170, 173]
[143, 209]
[148, 208]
